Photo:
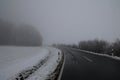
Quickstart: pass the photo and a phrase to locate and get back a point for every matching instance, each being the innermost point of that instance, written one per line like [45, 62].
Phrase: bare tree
[116, 47]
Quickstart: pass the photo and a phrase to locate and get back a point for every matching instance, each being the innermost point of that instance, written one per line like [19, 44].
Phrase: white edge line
[60, 75]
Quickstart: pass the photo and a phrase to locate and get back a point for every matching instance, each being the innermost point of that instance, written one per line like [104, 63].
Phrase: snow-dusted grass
[46, 70]
[15, 59]
[38, 63]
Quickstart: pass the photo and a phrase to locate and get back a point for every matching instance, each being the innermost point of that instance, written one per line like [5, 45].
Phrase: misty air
[59, 40]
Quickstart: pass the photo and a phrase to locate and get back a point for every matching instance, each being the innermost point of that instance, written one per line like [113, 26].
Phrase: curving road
[81, 65]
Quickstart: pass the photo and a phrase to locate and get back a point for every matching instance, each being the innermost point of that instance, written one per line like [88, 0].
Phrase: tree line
[97, 46]
[22, 35]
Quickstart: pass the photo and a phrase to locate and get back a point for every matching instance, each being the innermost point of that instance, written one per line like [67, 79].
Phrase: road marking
[87, 59]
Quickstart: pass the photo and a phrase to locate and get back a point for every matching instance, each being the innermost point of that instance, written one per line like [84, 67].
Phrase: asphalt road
[81, 65]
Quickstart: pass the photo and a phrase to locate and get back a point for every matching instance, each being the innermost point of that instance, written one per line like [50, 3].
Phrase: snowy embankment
[30, 63]
[105, 55]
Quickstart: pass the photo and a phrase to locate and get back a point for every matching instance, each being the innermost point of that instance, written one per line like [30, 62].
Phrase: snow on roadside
[45, 71]
[15, 59]
[113, 57]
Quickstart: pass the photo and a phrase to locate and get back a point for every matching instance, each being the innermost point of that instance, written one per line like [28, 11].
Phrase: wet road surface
[81, 65]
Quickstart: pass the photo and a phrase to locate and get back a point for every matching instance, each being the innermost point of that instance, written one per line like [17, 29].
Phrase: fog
[66, 21]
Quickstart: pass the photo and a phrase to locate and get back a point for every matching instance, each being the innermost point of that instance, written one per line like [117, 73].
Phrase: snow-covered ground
[42, 61]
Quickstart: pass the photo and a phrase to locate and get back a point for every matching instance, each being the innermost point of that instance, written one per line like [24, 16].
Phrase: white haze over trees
[22, 35]
[66, 21]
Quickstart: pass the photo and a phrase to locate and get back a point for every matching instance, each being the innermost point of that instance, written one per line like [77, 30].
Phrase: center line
[87, 59]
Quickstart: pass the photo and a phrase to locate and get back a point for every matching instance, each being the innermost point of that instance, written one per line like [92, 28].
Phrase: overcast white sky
[66, 21]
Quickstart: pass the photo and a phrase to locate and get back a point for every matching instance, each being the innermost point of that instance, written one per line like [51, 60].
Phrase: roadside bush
[116, 47]
[96, 45]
